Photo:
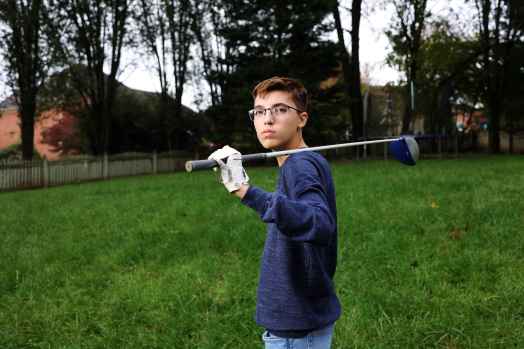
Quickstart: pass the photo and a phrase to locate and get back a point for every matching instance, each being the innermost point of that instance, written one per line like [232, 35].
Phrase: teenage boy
[296, 300]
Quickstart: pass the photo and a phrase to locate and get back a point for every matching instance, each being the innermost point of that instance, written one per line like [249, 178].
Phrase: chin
[271, 144]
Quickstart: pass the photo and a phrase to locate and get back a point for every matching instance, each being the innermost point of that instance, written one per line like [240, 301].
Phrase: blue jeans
[319, 339]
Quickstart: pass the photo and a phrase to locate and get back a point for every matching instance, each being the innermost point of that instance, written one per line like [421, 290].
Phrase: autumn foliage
[62, 135]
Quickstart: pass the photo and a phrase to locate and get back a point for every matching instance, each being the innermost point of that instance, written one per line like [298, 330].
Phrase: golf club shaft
[196, 165]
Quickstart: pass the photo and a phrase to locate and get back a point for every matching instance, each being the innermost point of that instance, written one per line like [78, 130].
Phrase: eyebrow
[274, 105]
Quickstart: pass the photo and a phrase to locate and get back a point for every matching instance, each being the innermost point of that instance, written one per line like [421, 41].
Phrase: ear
[303, 117]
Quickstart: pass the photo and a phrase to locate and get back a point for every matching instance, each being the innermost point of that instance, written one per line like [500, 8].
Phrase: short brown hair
[278, 83]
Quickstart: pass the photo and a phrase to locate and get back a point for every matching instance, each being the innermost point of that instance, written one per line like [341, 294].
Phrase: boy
[296, 300]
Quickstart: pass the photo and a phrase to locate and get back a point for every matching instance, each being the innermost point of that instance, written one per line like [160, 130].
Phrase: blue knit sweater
[296, 290]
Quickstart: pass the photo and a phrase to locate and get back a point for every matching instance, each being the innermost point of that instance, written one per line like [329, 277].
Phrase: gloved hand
[232, 173]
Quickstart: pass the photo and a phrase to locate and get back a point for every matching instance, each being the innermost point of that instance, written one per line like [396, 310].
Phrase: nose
[268, 118]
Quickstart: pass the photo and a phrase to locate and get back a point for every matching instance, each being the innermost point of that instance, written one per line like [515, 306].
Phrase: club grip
[251, 157]
[197, 165]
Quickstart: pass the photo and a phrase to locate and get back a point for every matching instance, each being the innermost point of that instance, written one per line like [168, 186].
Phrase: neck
[299, 143]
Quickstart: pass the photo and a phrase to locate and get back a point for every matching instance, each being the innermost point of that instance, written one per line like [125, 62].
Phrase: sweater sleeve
[306, 216]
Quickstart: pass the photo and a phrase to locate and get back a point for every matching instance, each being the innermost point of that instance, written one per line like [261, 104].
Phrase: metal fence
[43, 173]
[431, 146]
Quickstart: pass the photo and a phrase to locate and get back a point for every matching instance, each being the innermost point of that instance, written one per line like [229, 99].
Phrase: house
[10, 133]
[384, 107]
[136, 125]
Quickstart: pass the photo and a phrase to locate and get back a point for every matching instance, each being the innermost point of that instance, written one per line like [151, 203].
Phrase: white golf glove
[231, 171]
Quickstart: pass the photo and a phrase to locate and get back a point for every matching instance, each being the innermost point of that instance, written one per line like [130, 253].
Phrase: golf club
[404, 149]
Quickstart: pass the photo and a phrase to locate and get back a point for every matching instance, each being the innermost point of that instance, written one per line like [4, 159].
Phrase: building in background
[48, 125]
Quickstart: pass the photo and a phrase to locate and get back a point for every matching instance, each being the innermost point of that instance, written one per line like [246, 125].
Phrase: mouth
[268, 133]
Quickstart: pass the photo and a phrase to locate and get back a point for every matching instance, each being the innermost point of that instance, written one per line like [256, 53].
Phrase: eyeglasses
[280, 109]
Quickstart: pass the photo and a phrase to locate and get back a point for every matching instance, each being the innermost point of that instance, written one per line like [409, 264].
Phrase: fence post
[106, 166]
[86, 169]
[45, 172]
[155, 163]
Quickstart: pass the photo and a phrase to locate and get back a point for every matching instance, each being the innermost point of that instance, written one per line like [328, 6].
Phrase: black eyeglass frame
[252, 111]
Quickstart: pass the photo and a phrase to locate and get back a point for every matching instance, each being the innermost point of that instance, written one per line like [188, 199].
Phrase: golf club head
[405, 150]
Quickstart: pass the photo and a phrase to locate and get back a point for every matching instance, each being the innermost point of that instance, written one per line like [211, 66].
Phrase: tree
[153, 31]
[351, 65]
[180, 17]
[499, 30]
[152, 28]
[448, 71]
[514, 115]
[254, 40]
[27, 59]
[93, 37]
[406, 39]
[164, 26]
[209, 25]
[514, 107]
[63, 136]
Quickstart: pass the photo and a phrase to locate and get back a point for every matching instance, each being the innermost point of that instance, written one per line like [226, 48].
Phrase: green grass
[429, 256]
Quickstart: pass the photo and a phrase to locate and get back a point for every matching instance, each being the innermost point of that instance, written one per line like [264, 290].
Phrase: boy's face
[282, 131]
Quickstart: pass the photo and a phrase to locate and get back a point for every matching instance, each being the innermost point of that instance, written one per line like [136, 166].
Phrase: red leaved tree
[63, 136]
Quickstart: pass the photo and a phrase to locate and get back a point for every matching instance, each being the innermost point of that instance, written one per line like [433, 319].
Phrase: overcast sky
[374, 48]
[373, 42]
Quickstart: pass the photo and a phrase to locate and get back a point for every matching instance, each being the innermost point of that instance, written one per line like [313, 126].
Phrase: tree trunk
[491, 72]
[178, 112]
[24, 62]
[351, 67]
[444, 106]
[410, 105]
[355, 92]
[97, 130]
[406, 117]
[27, 113]
[180, 42]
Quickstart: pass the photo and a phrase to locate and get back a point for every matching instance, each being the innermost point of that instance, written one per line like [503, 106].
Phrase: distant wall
[10, 130]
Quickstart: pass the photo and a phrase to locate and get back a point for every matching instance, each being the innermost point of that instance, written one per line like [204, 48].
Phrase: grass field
[429, 256]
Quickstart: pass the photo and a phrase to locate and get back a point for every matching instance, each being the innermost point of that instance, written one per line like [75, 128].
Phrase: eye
[281, 109]
[259, 112]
